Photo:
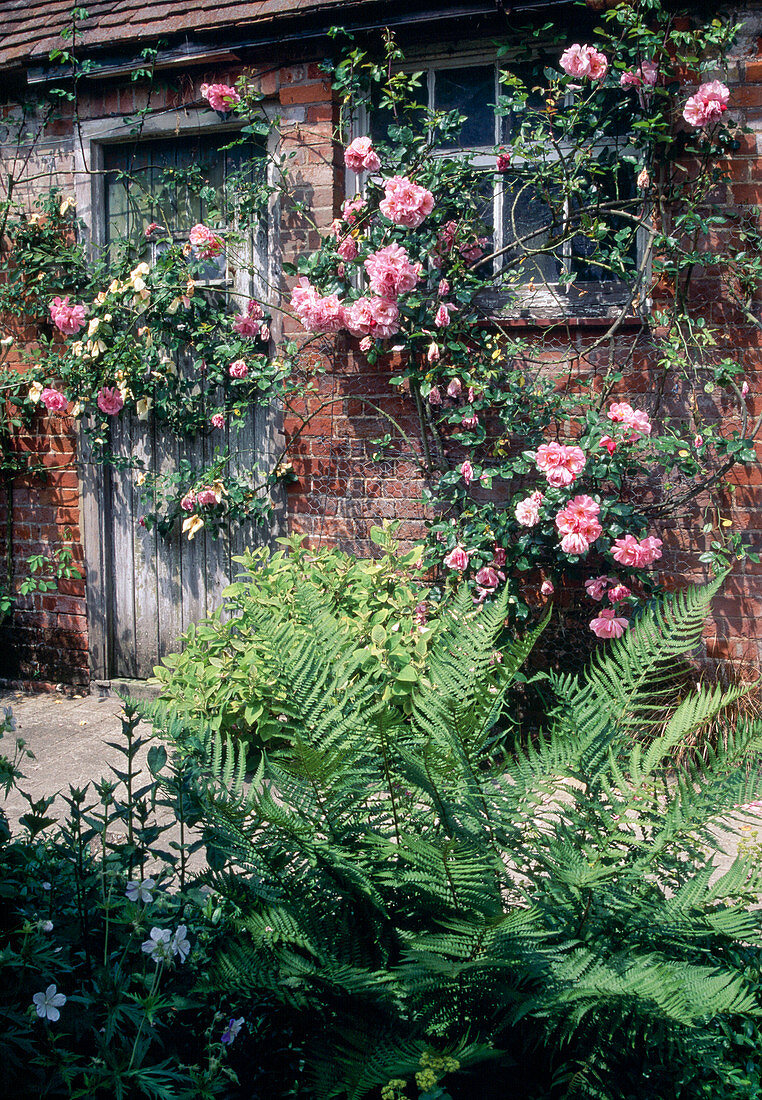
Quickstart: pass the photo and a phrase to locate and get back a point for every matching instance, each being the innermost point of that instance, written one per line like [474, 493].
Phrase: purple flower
[232, 1030]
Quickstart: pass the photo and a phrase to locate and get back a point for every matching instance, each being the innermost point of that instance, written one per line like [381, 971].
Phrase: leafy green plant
[435, 915]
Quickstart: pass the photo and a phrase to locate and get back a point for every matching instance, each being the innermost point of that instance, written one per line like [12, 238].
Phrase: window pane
[529, 222]
[471, 92]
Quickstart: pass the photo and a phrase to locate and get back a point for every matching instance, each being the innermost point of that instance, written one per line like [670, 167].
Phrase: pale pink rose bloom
[584, 61]
[580, 512]
[348, 249]
[487, 580]
[527, 511]
[264, 333]
[645, 75]
[188, 502]
[375, 317]
[352, 209]
[547, 588]
[151, 229]
[445, 241]
[698, 441]
[470, 395]
[316, 314]
[444, 288]
[707, 105]
[608, 624]
[575, 543]
[435, 397]
[618, 593]
[633, 419]
[596, 587]
[744, 389]
[457, 559]
[503, 161]
[218, 420]
[432, 355]
[110, 400]
[53, 401]
[473, 250]
[560, 463]
[467, 471]
[366, 343]
[68, 319]
[207, 496]
[247, 324]
[629, 551]
[390, 272]
[360, 156]
[238, 369]
[405, 203]
[205, 242]
[221, 97]
[442, 318]
[470, 422]
[454, 388]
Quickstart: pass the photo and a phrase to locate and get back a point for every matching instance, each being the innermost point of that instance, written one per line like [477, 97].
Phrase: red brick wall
[341, 491]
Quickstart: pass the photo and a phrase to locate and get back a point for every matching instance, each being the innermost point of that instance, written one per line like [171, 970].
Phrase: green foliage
[413, 896]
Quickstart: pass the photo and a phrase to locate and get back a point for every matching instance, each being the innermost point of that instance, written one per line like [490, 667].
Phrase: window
[569, 277]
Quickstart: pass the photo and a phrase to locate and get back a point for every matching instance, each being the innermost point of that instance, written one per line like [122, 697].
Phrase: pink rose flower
[435, 397]
[442, 318]
[470, 422]
[503, 161]
[635, 420]
[360, 156]
[316, 314]
[527, 511]
[247, 324]
[457, 559]
[473, 250]
[352, 209]
[487, 580]
[221, 97]
[578, 524]
[207, 496]
[264, 333]
[205, 242]
[498, 556]
[547, 588]
[53, 401]
[238, 369]
[444, 288]
[707, 105]
[618, 593]
[608, 624]
[744, 389]
[151, 229]
[218, 420]
[366, 343]
[575, 543]
[390, 272]
[467, 471]
[698, 440]
[645, 75]
[377, 317]
[188, 502]
[405, 203]
[68, 319]
[629, 551]
[584, 61]
[608, 443]
[348, 249]
[110, 400]
[454, 388]
[596, 587]
[560, 463]
[432, 355]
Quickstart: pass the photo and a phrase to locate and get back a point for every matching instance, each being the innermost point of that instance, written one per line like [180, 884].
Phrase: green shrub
[437, 920]
[223, 674]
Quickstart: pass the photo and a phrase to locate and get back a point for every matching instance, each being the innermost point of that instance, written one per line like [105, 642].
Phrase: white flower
[180, 944]
[140, 891]
[46, 925]
[48, 1003]
[35, 392]
[158, 945]
[46, 886]
[232, 1030]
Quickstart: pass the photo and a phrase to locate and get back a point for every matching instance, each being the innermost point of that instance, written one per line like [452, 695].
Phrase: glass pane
[471, 92]
[529, 222]
[381, 118]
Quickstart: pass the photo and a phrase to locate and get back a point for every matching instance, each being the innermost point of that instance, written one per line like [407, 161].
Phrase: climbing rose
[432, 355]
[67, 319]
[467, 471]
[608, 624]
[221, 97]
[646, 74]
[442, 318]
[53, 400]
[188, 502]
[207, 496]
[470, 422]
[391, 272]
[317, 314]
[218, 420]
[361, 156]
[503, 161]
[110, 400]
[376, 317]
[584, 61]
[352, 208]
[707, 105]
[634, 419]
[628, 551]
[405, 203]
[560, 463]
[596, 586]
[487, 580]
[528, 510]
[435, 397]
[444, 288]
[205, 242]
[618, 593]
[348, 249]
[238, 369]
[608, 443]
[457, 559]
[247, 324]
[547, 588]
[454, 388]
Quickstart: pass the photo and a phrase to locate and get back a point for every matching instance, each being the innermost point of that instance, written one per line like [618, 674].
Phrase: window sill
[585, 305]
